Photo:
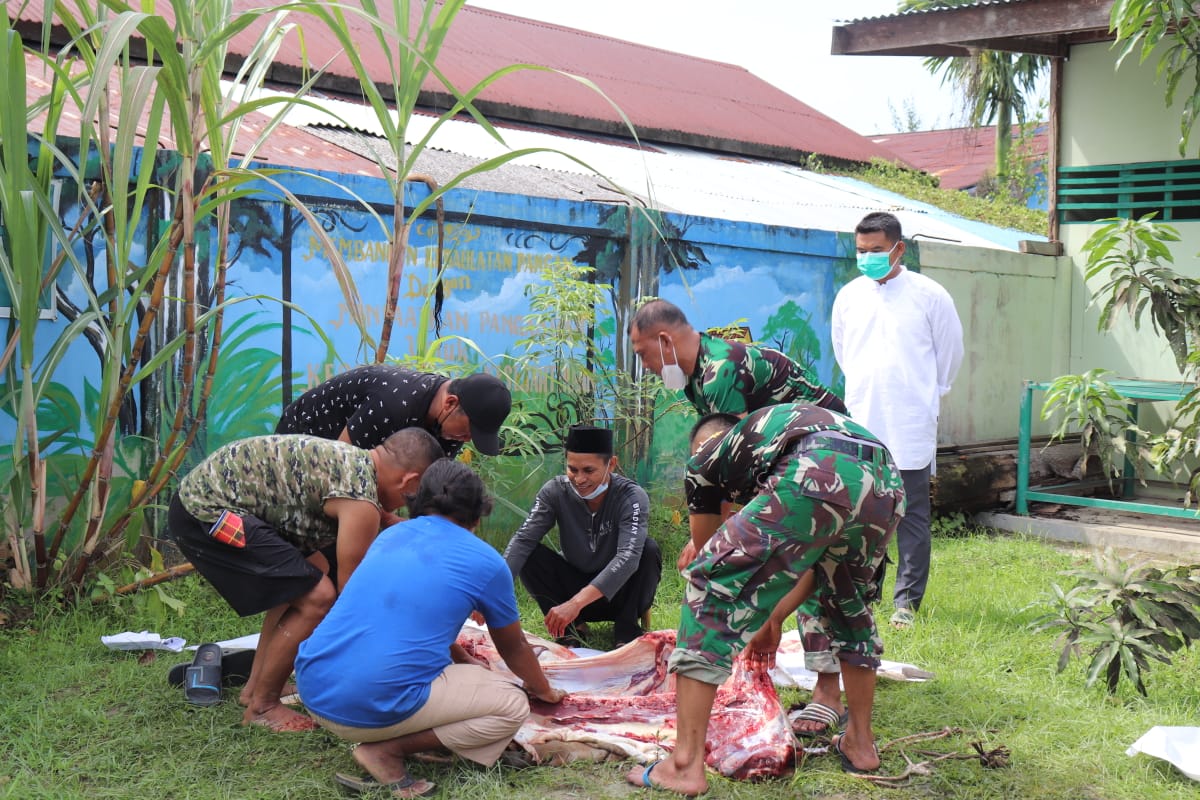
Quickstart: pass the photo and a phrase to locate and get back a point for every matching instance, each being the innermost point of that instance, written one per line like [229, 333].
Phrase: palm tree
[995, 85]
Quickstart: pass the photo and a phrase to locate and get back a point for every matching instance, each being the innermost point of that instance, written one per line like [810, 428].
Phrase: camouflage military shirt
[735, 378]
[282, 480]
[734, 466]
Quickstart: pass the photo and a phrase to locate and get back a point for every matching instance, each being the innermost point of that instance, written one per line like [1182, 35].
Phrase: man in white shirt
[898, 340]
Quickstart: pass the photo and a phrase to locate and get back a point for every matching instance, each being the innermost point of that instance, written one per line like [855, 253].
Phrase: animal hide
[621, 705]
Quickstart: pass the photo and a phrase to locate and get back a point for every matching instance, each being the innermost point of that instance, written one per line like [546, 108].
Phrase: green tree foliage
[995, 86]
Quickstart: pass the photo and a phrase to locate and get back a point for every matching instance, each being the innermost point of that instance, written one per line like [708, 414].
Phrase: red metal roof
[958, 156]
[286, 146]
[669, 97]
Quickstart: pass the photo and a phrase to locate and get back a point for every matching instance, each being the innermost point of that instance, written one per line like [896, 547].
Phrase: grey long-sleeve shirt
[607, 544]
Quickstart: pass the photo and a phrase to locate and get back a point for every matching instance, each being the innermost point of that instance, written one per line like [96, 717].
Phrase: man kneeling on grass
[384, 669]
[252, 518]
[822, 498]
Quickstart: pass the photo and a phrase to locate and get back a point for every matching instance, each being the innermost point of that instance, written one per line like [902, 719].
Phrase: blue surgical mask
[876, 266]
[599, 490]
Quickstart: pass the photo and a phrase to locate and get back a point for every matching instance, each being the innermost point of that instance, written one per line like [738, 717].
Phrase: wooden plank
[1019, 27]
[1041, 248]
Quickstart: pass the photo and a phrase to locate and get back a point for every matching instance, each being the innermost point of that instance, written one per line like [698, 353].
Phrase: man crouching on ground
[250, 515]
[821, 500]
[384, 669]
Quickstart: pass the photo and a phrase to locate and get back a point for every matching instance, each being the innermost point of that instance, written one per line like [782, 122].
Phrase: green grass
[80, 721]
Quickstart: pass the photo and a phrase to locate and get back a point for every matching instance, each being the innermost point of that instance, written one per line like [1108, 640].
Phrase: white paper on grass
[145, 640]
[1179, 746]
[247, 642]
[789, 670]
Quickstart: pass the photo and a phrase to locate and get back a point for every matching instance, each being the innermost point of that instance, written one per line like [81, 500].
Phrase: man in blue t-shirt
[384, 669]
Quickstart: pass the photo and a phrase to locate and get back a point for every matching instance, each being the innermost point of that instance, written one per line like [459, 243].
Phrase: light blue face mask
[592, 495]
[876, 266]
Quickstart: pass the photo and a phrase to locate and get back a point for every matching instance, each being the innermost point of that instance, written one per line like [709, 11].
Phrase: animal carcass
[622, 705]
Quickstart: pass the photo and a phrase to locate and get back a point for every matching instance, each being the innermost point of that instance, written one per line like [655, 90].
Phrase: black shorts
[268, 572]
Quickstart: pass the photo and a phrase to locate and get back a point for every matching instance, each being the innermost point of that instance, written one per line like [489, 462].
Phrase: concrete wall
[1015, 311]
[1119, 116]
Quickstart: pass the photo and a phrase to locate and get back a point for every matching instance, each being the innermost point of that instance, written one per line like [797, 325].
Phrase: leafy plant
[1122, 616]
[1091, 405]
[1136, 254]
[571, 350]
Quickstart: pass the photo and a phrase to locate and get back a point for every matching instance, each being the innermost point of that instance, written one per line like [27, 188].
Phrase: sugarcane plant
[109, 272]
[131, 240]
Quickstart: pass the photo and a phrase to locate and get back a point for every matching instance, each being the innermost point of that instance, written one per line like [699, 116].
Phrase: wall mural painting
[288, 326]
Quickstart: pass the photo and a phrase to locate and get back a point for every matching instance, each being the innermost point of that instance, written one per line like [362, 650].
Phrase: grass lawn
[80, 721]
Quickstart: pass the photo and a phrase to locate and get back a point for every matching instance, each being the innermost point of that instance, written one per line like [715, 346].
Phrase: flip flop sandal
[202, 678]
[235, 669]
[903, 618]
[369, 784]
[819, 712]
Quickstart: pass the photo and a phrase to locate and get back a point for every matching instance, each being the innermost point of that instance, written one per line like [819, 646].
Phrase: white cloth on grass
[1178, 746]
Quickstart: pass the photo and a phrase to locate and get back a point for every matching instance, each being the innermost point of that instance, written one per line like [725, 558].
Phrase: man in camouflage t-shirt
[821, 500]
[252, 513]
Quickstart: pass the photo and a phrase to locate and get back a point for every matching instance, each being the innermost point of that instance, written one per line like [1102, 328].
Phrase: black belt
[839, 443]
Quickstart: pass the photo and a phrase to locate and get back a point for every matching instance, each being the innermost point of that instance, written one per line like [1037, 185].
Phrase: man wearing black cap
[609, 568]
[365, 405]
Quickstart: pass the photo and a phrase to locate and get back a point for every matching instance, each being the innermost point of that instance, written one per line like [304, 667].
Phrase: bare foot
[289, 690]
[380, 762]
[857, 755]
[280, 719]
[663, 775]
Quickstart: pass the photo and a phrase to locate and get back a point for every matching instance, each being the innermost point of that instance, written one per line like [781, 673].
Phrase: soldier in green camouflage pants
[822, 499]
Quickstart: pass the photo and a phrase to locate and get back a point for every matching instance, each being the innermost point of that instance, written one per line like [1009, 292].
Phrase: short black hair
[657, 314]
[880, 222]
[451, 489]
[712, 423]
[413, 449]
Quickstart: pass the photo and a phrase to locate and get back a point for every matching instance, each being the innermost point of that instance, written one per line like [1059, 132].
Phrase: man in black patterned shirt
[365, 405]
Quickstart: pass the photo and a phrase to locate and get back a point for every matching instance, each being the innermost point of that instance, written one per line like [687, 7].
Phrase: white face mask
[672, 374]
[599, 490]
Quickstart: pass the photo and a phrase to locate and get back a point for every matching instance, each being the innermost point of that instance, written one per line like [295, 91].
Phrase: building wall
[1014, 310]
[1119, 116]
[779, 282]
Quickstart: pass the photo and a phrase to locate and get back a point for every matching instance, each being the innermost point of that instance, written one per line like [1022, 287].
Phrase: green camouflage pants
[794, 524]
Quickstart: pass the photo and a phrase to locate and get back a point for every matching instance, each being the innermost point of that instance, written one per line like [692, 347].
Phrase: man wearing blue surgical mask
[608, 568]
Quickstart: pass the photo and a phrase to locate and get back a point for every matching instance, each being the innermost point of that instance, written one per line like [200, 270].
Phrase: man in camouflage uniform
[736, 379]
[250, 516]
[716, 374]
[822, 498]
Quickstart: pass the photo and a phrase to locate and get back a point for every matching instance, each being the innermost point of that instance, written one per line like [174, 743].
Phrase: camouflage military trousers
[758, 555]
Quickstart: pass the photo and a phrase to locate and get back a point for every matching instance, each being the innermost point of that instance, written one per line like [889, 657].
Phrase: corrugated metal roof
[667, 96]
[672, 178]
[958, 156]
[913, 12]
